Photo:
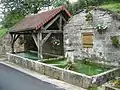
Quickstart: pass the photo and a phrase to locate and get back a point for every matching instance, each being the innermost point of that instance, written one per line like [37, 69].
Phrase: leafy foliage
[26, 6]
[115, 7]
[89, 17]
[12, 18]
[15, 10]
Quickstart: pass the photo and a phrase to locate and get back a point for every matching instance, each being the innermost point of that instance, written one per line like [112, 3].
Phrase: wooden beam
[63, 18]
[45, 39]
[58, 25]
[14, 37]
[39, 36]
[49, 24]
[35, 39]
[12, 44]
[60, 22]
[52, 31]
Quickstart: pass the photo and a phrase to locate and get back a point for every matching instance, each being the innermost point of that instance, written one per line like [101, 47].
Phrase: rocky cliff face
[102, 43]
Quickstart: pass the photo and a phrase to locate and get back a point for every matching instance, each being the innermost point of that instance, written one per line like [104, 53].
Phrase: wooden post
[39, 36]
[12, 43]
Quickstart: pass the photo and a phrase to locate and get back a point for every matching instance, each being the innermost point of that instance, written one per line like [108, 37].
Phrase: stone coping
[108, 71]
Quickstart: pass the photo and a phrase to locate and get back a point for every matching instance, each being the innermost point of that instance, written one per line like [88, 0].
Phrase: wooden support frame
[48, 25]
[37, 34]
[39, 38]
[14, 37]
[63, 18]
[60, 22]
[35, 39]
[45, 39]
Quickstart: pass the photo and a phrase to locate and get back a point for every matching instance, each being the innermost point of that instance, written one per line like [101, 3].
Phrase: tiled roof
[36, 21]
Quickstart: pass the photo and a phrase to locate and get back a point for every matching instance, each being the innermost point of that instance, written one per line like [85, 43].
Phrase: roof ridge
[62, 7]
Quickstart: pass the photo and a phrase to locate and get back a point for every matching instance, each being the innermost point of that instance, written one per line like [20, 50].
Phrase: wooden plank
[52, 31]
[35, 39]
[45, 39]
[49, 24]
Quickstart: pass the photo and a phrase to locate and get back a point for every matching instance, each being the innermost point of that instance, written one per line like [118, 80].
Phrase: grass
[3, 31]
[114, 7]
[81, 67]
[86, 68]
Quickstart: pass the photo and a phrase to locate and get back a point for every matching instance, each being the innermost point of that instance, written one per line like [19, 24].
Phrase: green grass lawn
[3, 31]
[115, 7]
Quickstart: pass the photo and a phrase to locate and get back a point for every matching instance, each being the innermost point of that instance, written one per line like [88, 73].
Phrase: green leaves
[15, 10]
[12, 18]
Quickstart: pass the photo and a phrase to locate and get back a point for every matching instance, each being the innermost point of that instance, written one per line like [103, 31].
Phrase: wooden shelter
[40, 27]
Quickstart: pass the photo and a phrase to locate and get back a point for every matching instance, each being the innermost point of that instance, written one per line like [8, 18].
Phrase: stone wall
[68, 76]
[5, 44]
[54, 72]
[102, 44]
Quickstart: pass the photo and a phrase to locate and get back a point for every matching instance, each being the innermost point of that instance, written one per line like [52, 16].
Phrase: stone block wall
[5, 44]
[68, 76]
[102, 44]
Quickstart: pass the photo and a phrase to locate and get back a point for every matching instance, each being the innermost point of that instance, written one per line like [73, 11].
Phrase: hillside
[114, 7]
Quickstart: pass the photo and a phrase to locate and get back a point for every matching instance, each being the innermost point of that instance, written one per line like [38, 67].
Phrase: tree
[12, 18]
[26, 6]
[58, 3]
[15, 10]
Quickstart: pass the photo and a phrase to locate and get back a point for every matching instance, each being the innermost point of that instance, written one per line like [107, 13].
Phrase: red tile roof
[37, 20]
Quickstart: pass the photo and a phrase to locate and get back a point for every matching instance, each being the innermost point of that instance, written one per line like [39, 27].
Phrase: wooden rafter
[63, 18]
[48, 25]
[60, 21]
